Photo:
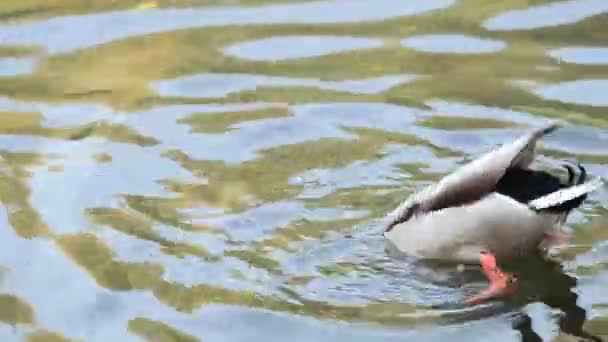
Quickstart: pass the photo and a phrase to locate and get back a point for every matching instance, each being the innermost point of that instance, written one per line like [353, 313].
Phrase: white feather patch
[561, 196]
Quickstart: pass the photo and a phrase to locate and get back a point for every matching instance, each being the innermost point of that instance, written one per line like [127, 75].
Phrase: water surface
[547, 15]
[453, 43]
[584, 92]
[295, 47]
[581, 55]
[218, 170]
[221, 85]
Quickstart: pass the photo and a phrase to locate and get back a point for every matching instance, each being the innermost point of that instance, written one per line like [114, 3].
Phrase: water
[215, 170]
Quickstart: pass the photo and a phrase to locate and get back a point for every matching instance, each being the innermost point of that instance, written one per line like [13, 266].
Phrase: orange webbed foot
[501, 283]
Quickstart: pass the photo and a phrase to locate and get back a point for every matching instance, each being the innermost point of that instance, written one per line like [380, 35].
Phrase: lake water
[219, 170]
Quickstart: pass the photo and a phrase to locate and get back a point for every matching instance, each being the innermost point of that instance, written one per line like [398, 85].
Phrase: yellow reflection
[138, 226]
[460, 123]
[15, 193]
[15, 311]
[222, 122]
[98, 259]
[158, 331]
[47, 336]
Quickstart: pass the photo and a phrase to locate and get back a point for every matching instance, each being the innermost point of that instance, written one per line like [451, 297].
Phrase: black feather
[524, 185]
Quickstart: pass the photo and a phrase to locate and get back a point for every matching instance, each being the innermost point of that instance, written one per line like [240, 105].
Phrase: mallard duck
[492, 208]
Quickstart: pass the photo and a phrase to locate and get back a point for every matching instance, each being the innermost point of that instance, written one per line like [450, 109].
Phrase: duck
[490, 210]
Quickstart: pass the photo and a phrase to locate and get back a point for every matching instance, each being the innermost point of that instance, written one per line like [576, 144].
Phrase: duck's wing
[473, 180]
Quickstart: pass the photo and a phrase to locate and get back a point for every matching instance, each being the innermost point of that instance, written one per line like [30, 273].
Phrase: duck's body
[459, 234]
[494, 206]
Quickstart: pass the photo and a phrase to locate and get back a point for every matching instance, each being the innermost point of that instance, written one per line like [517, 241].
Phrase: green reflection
[97, 258]
[581, 157]
[302, 230]
[597, 326]
[138, 226]
[222, 122]
[93, 74]
[15, 311]
[267, 177]
[568, 113]
[459, 123]
[120, 73]
[589, 31]
[166, 210]
[103, 158]
[255, 259]
[15, 193]
[48, 336]
[158, 331]
[24, 123]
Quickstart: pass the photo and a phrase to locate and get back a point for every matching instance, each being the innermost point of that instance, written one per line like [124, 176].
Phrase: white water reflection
[84, 183]
[547, 15]
[86, 309]
[590, 92]
[69, 33]
[294, 47]
[453, 43]
[592, 290]
[581, 55]
[16, 66]
[221, 85]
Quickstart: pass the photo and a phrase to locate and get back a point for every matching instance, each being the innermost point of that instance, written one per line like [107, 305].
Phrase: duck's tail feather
[566, 199]
[571, 174]
[582, 176]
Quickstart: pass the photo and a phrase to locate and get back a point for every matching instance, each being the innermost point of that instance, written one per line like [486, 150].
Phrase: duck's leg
[501, 283]
[557, 237]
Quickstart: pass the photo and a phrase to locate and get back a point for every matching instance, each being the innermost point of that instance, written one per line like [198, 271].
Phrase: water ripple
[58, 34]
[16, 66]
[221, 85]
[294, 47]
[453, 43]
[308, 123]
[581, 55]
[552, 14]
[158, 188]
[584, 92]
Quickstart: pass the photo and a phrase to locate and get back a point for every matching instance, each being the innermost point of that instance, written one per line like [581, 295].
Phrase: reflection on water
[584, 92]
[58, 35]
[221, 85]
[581, 55]
[294, 47]
[453, 43]
[551, 14]
[214, 171]
[16, 66]
[553, 289]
